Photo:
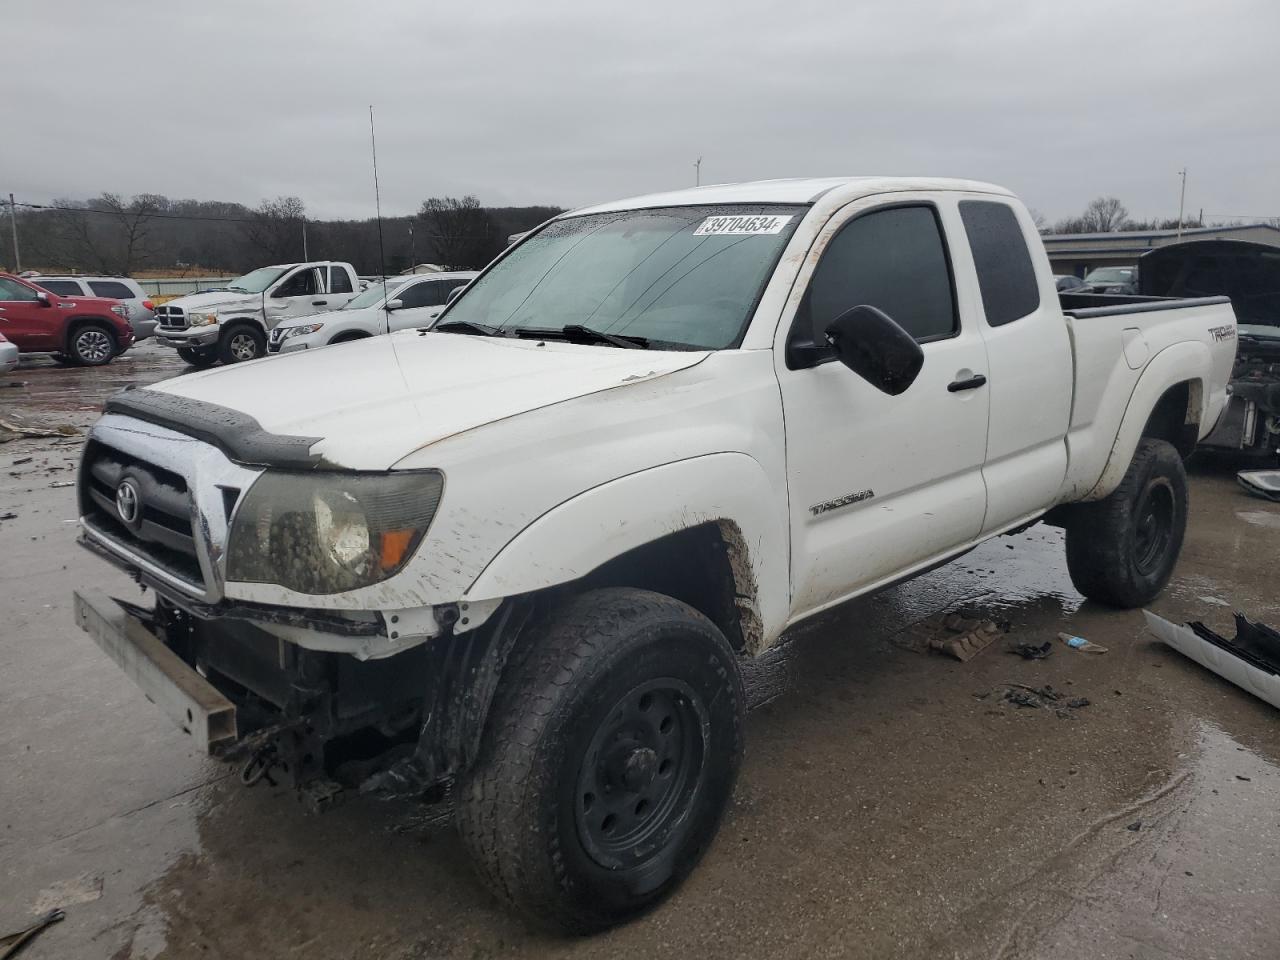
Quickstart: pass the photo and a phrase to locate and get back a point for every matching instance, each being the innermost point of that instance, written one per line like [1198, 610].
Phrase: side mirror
[44, 299]
[454, 294]
[395, 304]
[869, 343]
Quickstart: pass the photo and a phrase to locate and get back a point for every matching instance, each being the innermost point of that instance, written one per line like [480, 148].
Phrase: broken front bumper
[205, 338]
[190, 700]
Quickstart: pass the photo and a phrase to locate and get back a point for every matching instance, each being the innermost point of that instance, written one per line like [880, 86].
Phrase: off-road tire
[1121, 551]
[539, 840]
[92, 345]
[199, 357]
[235, 341]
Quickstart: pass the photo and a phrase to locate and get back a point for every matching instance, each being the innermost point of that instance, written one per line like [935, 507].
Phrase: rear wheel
[198, 356]
[242, 343]
[92, 345]
[608, 761]
[1121, 551]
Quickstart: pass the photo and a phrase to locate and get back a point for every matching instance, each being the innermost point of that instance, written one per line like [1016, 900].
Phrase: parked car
[524, 551]
[127, 291]
[403, 303]
[8, 355]
[80, 330]
[1067, 281]
[1112, 280]
[232, 325]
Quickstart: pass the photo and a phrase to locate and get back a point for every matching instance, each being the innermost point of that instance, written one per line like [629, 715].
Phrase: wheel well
[350, 335]
[76, 324]
[1176, 417]
[241, 322]
[704, 566]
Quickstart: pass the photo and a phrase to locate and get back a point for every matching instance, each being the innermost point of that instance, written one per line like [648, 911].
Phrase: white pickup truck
[524, 551]
[232, 324]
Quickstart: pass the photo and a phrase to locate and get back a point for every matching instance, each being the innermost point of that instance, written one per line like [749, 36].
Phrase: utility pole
[697, 172]
[13, 225]
[413, 255]
[304, 240]
[1182, 202]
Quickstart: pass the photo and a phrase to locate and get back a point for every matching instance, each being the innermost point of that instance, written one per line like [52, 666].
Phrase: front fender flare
[577, 536]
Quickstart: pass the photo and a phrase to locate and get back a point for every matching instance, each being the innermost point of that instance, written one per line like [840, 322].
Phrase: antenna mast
[377, 200]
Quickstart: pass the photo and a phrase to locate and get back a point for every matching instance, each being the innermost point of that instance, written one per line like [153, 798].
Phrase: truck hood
[215, 300]
[373, 402]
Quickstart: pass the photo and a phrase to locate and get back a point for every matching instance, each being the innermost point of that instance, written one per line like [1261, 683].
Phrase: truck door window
[894, 259]
[1006, 275]
[12, 291]
[339, 280]
[301, 284]
[427, 294]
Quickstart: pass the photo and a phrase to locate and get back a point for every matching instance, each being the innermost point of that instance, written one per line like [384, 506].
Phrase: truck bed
[1116, 341]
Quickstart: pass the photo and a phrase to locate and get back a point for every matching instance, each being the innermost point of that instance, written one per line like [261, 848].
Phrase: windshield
[373, 296]
[1110, 275]
[257, 281]
[678, 277]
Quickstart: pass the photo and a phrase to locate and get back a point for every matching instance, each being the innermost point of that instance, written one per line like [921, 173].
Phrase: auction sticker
[748, 226]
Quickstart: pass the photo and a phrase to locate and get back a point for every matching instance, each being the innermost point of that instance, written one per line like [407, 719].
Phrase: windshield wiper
[577, 333]
[464, 326]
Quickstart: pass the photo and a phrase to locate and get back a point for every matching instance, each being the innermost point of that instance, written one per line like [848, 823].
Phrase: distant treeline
[114, 235]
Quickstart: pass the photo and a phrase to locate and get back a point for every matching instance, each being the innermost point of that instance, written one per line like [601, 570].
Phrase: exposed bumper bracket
[190, 700]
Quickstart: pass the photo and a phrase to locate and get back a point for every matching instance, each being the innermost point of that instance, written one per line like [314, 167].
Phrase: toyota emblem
[127, 502]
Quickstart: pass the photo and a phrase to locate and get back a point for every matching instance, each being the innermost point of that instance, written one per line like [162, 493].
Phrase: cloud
[570, 103]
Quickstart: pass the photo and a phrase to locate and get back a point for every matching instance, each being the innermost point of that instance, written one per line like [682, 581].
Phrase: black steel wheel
[1121, 550]
[607, 762]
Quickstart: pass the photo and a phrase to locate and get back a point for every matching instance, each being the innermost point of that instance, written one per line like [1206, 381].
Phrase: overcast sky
[547, 101]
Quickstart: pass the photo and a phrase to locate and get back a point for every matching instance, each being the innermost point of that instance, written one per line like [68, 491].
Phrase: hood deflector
[236, 434]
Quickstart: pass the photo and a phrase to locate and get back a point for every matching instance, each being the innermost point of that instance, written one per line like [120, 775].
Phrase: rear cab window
[339, 280]
[1006, 275]
[894, 259]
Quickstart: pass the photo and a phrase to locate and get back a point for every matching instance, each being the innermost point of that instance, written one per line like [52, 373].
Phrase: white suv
[135, 299]
[398, 303]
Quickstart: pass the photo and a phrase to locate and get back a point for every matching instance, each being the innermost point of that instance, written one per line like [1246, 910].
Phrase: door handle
[973, 383]
[319, 303]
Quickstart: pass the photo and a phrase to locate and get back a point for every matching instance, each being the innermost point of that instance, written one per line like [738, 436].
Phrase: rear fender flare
[579, 535]
[1186, 362]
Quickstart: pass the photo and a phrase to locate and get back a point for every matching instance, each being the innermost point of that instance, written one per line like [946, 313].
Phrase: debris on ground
[1135, 826]
[8, 516]
[1039, 698]
[1251, 660]
[13, 943]
[964, 637]
[1033, 651]
[1262, 483]
[62, 483]
[1081, 644]
[13, 426]
[21, 460]
[85, 888]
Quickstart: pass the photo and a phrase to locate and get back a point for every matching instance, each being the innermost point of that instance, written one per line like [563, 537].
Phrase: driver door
[299, 294]
[880, 485]
[25, 319]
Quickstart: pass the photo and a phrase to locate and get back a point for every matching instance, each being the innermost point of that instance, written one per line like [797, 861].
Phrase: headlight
[300, 330]
[202, 319]
[323, 533]
[121, 311]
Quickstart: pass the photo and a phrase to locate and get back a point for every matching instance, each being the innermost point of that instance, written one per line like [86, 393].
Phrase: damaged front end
[277, 638]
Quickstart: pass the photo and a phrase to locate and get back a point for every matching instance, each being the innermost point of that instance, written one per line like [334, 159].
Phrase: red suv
[81, 330]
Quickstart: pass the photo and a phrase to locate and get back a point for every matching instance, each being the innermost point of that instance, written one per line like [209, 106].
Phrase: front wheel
[92, 345]
[242, 343]
[608, 761]
[1121, 551]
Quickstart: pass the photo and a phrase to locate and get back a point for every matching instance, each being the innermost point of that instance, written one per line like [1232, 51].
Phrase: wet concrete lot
[890, 805]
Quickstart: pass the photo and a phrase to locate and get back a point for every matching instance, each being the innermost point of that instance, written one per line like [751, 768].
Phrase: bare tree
[461, 232]
[1039, 219]
[274, 231]
[1104, 215]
